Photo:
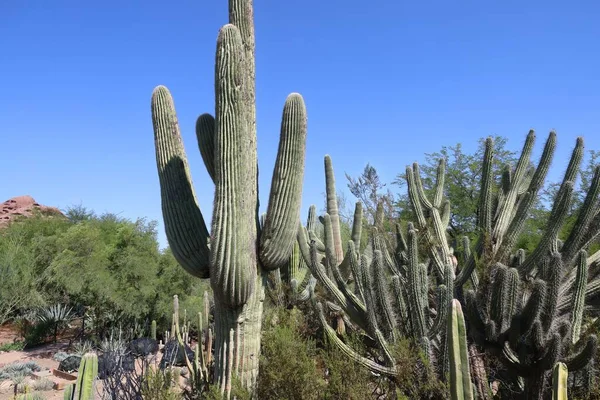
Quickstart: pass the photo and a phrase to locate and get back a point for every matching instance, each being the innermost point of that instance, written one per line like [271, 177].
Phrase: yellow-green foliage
[289, 367]
[160, 385]
[346, 379]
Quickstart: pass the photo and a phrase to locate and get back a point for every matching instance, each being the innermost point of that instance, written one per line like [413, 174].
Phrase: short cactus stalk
[237, 254]
[83, 389]
[560, 376]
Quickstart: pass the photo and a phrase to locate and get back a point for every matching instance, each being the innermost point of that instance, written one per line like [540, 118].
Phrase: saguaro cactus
[237, 254]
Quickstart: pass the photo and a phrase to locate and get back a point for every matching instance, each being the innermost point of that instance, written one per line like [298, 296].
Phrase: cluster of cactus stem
[200, 366]
[524, 309]
[238, 253]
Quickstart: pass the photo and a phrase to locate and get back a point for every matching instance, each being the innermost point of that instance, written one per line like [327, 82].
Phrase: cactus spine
[237, 254]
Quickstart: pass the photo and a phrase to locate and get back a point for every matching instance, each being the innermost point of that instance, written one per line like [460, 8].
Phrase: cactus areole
[237, 253]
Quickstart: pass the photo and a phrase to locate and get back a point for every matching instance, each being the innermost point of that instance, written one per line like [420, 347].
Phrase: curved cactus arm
[585, 355]
[351, 260]
[418, 304]
[384, 307]
[584, 219]
[357, 224]
[445, 296]
[560, 377]
[593, 231]
[332, 208]
[331, 256]
[234, 230]
[575, 161]
[184, 224]
[304, 294]
[505, 212]
[535, 185]
[439, 183]
[461, 387]
[312, 260]
[205, 133]
[349, 352]
[578, 297]
[559, 212]
[283, 212]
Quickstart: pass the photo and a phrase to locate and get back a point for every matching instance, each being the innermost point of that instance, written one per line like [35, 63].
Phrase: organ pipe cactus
[524, 309]
[388, 296]
[528, 309]
[237, 254]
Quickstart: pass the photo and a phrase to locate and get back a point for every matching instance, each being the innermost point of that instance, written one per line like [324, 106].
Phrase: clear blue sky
[384, 82]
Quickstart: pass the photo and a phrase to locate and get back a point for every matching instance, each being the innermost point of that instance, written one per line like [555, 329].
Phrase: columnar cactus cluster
[237, 254]
[524, 309]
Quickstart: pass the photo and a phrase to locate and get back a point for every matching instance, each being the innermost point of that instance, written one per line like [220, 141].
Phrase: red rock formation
[23, 206]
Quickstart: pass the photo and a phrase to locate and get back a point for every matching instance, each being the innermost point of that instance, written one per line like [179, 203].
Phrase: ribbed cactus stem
[83, 389]
[578, 299]
[332, 208]
[184, 224]
[234, 231]
[461, 387]
[560, 376]
[279, 233]
[205, 133]
[153, 330]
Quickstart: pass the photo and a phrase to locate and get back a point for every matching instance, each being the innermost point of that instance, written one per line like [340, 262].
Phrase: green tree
[463, 176]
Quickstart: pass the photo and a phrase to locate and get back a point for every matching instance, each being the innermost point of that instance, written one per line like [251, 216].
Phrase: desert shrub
[416, 378]
[16, 369]
[288, 368]
[15, 346]
[42, 384]
[346, 379]
[159, 385]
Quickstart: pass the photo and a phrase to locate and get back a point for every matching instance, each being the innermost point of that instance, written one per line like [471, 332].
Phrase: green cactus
[153, 330]
[461, 387]
[237, 255]
[526, 309]
[560, 377]
[83, 389]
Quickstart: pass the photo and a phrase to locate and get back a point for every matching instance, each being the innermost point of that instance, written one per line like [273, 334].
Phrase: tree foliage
[105, 266]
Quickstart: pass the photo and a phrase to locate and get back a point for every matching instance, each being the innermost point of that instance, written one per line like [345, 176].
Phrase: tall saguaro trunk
[238, 253]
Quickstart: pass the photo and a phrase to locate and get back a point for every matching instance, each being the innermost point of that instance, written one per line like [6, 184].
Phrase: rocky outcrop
[23, 206]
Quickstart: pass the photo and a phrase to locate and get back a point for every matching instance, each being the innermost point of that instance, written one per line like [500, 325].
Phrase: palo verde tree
[239, 252]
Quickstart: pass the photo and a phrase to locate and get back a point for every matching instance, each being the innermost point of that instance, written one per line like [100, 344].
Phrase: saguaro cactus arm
[184, 224]
[281, 225]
